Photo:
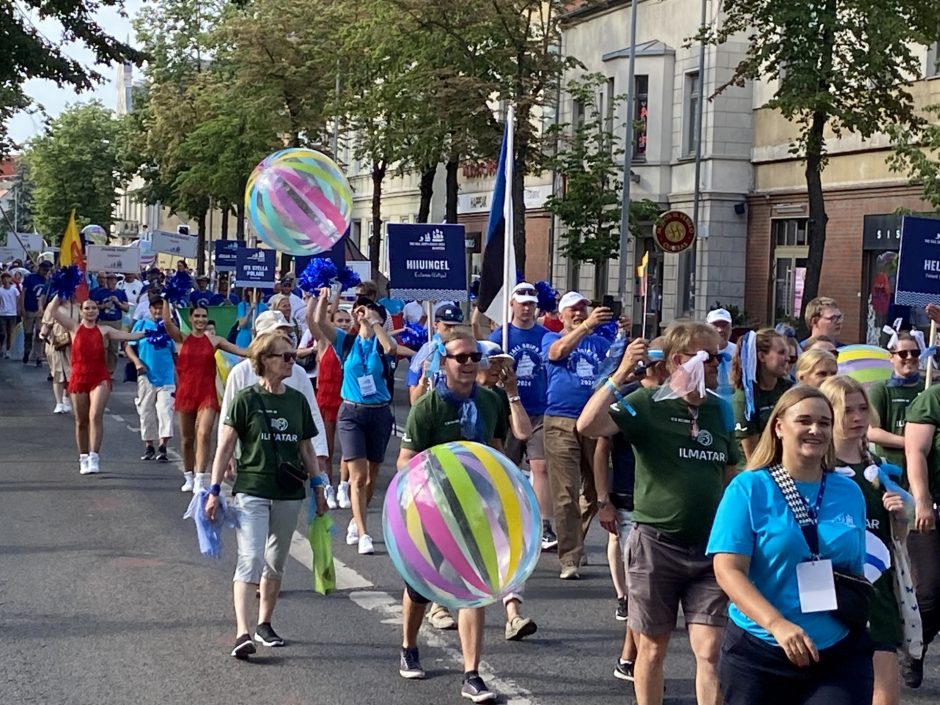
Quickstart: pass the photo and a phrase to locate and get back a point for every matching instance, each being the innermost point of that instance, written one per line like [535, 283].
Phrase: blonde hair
[837, 389]
[815, 308]
[769, 449]
[262, 346]
[680, 337]
[811, 359]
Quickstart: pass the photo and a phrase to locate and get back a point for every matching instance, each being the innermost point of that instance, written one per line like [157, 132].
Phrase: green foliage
[25, 53]
[21, 211]
[74, 164]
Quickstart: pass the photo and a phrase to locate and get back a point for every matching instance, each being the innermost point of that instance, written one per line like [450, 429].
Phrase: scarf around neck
[471, 426]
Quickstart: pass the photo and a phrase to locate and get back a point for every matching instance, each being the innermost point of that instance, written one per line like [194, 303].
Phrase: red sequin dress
[195, 368]
[89, 365]
[329, 383]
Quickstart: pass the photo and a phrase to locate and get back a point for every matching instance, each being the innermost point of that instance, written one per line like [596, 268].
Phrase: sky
[54, 99]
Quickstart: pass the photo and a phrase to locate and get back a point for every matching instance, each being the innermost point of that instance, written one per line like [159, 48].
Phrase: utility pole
[627, 162]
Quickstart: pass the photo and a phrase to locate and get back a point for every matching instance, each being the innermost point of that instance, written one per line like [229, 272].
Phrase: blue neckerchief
[908, 381]
[471, 427]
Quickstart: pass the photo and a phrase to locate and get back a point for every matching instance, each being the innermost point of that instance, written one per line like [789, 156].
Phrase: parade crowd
[789, 510]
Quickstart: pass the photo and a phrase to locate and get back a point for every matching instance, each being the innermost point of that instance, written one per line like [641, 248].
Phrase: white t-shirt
[730, 348]
[9, 298]
[413, 312]
[132, 289]
[142, 312]
[307, 341]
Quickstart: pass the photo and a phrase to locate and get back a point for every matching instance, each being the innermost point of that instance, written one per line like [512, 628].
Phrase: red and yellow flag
[71, 252]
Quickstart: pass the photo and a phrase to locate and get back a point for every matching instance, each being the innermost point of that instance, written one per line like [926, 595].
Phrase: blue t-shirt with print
[754, 520]
[571, 381]
[109, 311]
[159, 361]
[364, 360]
[34, 286]
[525, 346]
[201, 298]
[243, 339]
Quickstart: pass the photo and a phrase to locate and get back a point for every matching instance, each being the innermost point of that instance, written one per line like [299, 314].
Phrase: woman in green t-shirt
[273, 424]
[891, 398]
[884, 515]
[759, 376]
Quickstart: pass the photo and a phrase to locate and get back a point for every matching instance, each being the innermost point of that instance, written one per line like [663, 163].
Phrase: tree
[25, 53]
[839, 65]
[74, 164]
[22, 196]
[918, 154]
[590, 163]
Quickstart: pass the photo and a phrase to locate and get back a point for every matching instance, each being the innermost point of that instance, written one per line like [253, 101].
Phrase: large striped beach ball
[462, 525]
[298, 201]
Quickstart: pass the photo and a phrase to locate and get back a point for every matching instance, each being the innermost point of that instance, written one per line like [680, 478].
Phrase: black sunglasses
[285, 356]
[526, 292]
[463, 358]
[904, 354]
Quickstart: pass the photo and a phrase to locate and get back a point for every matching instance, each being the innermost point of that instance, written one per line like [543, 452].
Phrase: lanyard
[814, 510]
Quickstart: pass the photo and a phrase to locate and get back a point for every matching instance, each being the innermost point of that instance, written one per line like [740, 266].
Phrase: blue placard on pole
[255, 267]
[919, 262]
[337, 253]
[225, 255]
[427, 261]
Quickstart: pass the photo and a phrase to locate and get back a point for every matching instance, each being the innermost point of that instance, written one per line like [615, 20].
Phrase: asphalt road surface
[105, 599]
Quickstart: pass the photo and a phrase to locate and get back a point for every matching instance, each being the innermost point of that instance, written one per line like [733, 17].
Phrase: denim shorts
[264, 534]
[364, 431]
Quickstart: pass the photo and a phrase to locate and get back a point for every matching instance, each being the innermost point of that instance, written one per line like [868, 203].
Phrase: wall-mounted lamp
[740, 208]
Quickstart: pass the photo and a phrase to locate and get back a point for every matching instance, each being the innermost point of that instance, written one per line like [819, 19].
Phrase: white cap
[269, 321]
[524, 298]
[719, 314]
[572, 298]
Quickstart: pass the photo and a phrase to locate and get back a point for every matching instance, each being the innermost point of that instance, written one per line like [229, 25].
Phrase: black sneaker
[243, 647]
[912, 671]
[475, 689]
[624, 670]
[549, 540]
[148, 454]
[621, 613]
[161, 455]
[266, 636]
[409, 666]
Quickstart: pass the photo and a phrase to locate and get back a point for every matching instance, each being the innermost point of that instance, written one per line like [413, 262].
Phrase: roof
[650, 48]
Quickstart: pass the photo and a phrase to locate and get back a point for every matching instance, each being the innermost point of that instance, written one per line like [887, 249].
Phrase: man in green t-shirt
[685, 451]
[456, 410]
[891, 398]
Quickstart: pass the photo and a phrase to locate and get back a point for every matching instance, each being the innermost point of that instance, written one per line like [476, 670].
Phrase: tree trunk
[450, 202]
[378, 175]
[818, 219]
[225, 212]
[201, 246]
[240, 220]
[427, 191]
[518, 201]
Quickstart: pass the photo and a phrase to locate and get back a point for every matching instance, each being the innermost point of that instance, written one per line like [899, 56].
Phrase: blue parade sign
[427, 261]
[919, 262]
[337, 253]
[255, 267]
[226, 255]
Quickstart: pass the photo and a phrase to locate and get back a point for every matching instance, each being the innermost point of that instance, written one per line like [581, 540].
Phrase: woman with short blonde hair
[814, 366]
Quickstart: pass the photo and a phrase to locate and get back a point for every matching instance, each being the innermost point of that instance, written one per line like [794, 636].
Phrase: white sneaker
[352, 533]
[59, 408]
[342, 496]
[83, 464]
[201, 481]
[330, 497]
[187, 482]
[66, 407]
[93, 464]
[365, 545]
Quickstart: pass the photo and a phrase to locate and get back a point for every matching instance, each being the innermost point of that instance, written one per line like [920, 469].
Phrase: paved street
[105, 599]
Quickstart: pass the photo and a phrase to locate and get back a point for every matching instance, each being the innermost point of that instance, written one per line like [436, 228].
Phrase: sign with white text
[427, 261]
[226, 252]
[255, 267]
[102, 258]
[919, 262]
[174, 243]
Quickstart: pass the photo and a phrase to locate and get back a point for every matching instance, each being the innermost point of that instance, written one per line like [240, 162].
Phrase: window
[609, 113]
[789, 233]
[577, 115]
[355, 234]
[693, 95]
[641, 85]
[791, 249]
[933, 57]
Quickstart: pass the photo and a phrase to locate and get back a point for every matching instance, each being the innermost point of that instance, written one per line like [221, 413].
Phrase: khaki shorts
[532, 448]
[663, 573]
[59, 364]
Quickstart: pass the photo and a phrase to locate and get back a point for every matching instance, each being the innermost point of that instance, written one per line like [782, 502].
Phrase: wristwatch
[602, 503]
[514, 398]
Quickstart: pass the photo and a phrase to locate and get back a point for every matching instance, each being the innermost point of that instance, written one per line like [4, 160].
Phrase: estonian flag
[495, 282]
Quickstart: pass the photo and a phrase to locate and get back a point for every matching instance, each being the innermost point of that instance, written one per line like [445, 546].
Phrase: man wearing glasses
[823, 317]
[573, 359]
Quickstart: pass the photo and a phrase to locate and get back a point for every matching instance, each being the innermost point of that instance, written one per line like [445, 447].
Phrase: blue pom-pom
[65, 282]
[547, 295]
[348, 278]
[177, 289]
[414, 336]
[607, 330]
[158, 338]
[319, 274]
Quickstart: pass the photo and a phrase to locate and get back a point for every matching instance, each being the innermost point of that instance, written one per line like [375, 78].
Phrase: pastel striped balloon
[462, 525]
[865, 363]
[298, 201]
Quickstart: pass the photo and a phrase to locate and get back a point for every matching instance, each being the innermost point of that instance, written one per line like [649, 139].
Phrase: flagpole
[508, 218]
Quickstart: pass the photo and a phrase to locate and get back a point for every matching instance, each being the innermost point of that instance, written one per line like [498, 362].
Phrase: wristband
[215, 490]
[319, 480]
[621, 400]
[514, 398]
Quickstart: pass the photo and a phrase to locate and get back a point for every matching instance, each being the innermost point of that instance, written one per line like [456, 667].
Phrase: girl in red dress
[197, 401]
[90, 382]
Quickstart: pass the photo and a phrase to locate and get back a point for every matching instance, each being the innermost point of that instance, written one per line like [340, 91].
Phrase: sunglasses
[464, 358]
[905, 354]
[285, 356]
[525, 292]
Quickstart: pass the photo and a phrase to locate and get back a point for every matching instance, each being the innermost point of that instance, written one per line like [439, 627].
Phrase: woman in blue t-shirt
[784, 644]
[365, 418]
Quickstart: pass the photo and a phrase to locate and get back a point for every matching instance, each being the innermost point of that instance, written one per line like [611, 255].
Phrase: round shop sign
[675, 232]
